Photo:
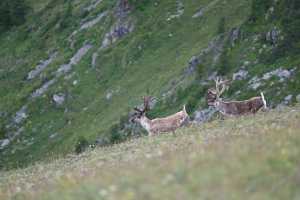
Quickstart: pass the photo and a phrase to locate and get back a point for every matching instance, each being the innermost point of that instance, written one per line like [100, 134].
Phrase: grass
[146, 61]
[251, 157]
[123, 67]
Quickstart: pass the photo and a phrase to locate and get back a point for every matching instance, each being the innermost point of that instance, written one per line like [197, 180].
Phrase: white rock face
[59, 99]
[298, 98]
[201, 11]
[179, 12]
[202, 116]
[94, 59]
[288, 99]
[41, 67]
[63, 69]
[43, 89]
[283, 74]
[118, 30]
[4, 143]
[240, 75]
[93, 22]
[93, 5]
[21, 115]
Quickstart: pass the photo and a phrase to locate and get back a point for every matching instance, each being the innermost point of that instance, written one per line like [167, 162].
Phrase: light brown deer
[159, 125]
[233, 108]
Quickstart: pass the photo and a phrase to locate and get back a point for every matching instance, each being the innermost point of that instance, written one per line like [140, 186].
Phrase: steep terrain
[70, 75]
[253, 157]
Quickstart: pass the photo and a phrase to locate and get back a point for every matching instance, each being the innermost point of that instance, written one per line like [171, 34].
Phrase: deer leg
[151, 134]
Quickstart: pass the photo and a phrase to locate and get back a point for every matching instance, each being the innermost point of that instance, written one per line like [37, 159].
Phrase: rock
[92, 22]
[109, 96]
[254, 83]
[205, 115]
[118, 30]
[21, 115]
[273, 35]
[93, 5]
[298, 98]
[201, 11]
[4, 143]
[41, 66]
[179, 12]
[39, 92]
[94, 59]
[240, 75]
[52, 136]
[193, 63]
[288, 99]
[234, 36]
[282, 74]
[59, 99]
[75, 82]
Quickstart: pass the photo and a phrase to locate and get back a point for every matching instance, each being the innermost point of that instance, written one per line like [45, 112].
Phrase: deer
[159, 125]
[233, 108]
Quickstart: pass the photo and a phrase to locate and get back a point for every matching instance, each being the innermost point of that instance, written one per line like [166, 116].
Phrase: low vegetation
[251, 157]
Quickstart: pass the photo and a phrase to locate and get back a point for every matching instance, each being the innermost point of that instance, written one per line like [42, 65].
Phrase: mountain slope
[252, 157]
[74, 70]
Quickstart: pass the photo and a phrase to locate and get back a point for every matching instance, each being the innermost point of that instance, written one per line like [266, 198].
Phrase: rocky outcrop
[41, 66]
[272, 36]
[59, 99]
[202, 116]
[202, 11]
[179, 11]
[93, 5]
[122, 27]
[240, 75]
[282, 74]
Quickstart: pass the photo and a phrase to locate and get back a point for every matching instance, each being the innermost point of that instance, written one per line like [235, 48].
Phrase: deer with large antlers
[159, 125]
[233, 108]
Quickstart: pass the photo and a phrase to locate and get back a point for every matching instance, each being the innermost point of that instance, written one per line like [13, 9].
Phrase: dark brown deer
[159, 125]
[233, 108]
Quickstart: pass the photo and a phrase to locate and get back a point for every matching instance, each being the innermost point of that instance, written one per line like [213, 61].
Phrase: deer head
[214, 94]
[139, 113]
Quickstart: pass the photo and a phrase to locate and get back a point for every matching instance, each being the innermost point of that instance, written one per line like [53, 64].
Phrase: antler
[220, 83]
[146, 105]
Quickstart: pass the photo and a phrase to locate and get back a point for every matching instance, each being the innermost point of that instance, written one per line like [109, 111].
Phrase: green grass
[123, 67]
[251, 157]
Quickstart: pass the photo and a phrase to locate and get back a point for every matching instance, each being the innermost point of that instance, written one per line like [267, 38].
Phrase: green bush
[12, 13]
[81, 145]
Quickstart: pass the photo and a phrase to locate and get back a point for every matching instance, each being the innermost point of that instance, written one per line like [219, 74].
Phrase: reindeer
[159, 125]
[233, 108]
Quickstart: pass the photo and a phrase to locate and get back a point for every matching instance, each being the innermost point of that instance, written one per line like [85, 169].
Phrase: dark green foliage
[81, 145]
[139, 4]
[221, 26]
[12, 13]
[291, 26]
[66, 16]
[259, 9]
[223, 63]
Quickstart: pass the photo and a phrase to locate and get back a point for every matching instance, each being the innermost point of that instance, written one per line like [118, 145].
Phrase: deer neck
[145, 123]
[219, 105]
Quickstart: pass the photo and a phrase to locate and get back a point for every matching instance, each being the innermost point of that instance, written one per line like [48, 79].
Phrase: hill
[71, 71]
[252, 157]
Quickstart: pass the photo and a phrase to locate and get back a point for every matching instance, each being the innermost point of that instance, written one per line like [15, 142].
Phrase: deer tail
[264, 100]
[184, 110]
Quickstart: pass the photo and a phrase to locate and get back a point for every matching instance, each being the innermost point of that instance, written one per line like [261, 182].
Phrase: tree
[12, 13]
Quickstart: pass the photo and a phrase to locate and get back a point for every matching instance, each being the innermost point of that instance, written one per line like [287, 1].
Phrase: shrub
[81, 145]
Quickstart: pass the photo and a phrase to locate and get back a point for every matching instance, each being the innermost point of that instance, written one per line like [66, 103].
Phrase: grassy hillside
[252, 157]
[149, 55]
